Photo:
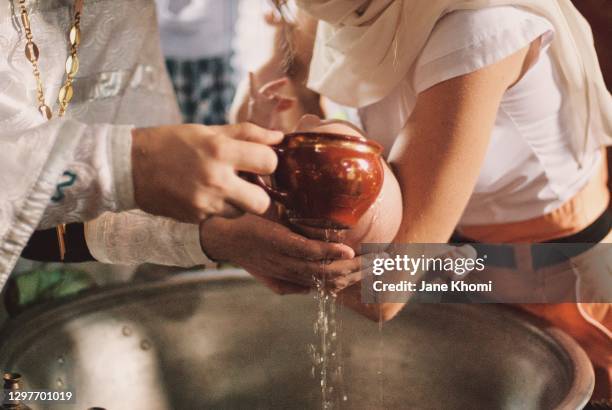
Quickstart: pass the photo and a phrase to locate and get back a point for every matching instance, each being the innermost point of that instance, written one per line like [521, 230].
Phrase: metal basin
[225, 342]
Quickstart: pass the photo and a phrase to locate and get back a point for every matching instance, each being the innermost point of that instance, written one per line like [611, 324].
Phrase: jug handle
[279, 196]
[276, 195]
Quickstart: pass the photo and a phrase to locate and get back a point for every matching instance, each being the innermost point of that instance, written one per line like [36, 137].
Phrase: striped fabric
[204, 88]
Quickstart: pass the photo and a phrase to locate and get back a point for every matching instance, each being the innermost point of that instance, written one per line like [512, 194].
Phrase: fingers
[297, 246]
[341, 274]
[251, 157]
[230, 211]
[326, 235]
[251, 132]
[341, 268]
[247, 196]
[298, 271]
[336, 275]
[270, 88]
[269, 91]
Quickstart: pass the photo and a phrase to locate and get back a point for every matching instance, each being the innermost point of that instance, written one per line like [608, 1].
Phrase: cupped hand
[284, 260]
[189, 172]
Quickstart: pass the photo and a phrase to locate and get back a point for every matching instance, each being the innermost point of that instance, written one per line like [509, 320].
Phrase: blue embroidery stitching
[59, 193]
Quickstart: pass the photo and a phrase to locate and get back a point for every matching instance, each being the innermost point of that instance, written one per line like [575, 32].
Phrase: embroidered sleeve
[98, 178]
[135, 237]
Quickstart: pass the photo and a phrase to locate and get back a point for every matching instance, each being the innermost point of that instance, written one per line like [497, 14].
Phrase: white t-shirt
[529, 169]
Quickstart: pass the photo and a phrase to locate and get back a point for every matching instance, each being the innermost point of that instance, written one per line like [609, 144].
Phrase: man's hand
[284, 260]
[189, 172]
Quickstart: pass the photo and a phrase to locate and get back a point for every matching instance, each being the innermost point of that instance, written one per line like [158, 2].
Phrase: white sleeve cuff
[135, 237]
[121, 163]
[193, 247]
[94, 238]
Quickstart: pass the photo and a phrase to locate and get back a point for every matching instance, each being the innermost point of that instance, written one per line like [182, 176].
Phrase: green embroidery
[59, 193]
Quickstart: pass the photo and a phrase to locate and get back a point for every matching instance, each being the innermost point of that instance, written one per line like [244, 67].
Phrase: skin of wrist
[215, 238]
[138, 164]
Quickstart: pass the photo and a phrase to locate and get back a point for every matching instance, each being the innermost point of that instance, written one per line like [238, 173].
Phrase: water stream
[326, 352]
[381, 362]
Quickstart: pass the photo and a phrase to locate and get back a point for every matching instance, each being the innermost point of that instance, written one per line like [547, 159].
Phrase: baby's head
[312, 123]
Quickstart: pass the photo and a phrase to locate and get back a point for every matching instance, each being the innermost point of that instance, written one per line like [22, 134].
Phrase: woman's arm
[439, 153]
[438, 156]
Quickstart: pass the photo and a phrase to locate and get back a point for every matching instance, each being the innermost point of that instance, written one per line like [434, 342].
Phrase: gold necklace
[66, 92]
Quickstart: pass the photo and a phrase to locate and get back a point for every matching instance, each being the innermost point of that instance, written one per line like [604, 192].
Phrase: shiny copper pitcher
[326, 180]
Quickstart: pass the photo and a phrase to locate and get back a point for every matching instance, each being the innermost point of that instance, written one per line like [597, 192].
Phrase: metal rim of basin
[584, 375]
[42, 316]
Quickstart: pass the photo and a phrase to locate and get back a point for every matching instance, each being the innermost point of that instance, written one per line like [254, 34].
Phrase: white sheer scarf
[364, 49]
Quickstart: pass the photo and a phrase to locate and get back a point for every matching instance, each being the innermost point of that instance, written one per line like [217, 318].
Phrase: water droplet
[145, 345]
[344, 398]
[61, 360]
[59, 383]
[126, 331]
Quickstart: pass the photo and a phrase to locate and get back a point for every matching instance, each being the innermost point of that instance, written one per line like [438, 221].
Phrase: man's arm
[183, 171]
[126, 238]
